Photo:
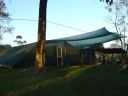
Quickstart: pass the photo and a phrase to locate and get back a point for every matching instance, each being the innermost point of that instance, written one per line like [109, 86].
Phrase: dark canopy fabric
[93, 41]
[11, 56]
[87, 39]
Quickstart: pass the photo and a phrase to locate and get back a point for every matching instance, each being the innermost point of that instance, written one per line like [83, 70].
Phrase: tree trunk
[41, 44]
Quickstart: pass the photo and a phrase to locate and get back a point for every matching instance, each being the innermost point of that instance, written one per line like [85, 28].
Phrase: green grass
[85, 80]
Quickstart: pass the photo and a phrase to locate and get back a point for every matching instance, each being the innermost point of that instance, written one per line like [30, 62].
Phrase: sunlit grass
[84, 80]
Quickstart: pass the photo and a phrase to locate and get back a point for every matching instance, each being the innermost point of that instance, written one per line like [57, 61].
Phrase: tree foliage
[19, 40]
[119, 18]
[109, 2]
[3, 14]
[5, 26]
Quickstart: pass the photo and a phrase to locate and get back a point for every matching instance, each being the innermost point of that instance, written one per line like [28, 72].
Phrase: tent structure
[67, 47]
[14, 56]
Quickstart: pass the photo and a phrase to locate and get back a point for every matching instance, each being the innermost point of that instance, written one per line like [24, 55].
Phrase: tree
[109, 2]
[119, 18]
[115, 45]
[41, 44]
[19, 40]
[4, 21]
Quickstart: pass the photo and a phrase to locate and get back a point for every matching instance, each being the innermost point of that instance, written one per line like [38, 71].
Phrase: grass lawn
[84, 80]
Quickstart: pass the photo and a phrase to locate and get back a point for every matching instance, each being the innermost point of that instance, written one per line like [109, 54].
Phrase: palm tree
[41, 44]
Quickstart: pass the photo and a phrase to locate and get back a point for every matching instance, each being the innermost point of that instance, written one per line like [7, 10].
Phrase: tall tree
[119, 18]
[41, 44]
[4, 20]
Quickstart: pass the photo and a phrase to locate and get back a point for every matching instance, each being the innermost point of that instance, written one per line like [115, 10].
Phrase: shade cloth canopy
[87, 39]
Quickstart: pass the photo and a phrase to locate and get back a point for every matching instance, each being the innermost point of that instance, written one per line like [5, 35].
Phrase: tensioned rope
[73, 28]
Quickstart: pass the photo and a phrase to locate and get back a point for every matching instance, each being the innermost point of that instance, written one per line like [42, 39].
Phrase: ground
[84, 80]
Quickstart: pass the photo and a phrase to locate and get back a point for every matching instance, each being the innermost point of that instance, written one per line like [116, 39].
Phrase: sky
[80, 14]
